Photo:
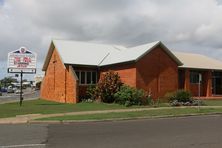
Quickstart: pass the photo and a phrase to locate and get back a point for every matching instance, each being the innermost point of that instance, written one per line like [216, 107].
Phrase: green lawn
[48, 107]
[213, 102]
[146, 114]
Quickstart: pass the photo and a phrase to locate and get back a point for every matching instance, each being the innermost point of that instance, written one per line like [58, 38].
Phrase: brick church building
[70, 67]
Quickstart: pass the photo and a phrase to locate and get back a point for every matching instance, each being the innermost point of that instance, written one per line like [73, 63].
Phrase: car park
[10, 90]
[18, 91]
[3, 89]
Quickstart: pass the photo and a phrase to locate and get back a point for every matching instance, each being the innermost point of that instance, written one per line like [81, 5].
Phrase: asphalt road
[12, 97]
[189, 132]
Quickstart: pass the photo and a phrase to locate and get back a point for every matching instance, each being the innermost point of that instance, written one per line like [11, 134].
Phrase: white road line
[24, 145]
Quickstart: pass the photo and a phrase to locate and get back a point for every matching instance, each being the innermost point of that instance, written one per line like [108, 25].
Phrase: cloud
[184, 25]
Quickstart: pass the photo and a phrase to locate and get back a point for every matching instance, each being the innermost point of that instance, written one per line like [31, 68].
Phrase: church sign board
[22, 60]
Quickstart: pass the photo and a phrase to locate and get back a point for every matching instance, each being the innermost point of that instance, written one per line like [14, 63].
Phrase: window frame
[194, 77]
[86, 73]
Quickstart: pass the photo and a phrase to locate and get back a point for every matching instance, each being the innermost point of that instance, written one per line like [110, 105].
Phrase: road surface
[12, 97]
[188, 132]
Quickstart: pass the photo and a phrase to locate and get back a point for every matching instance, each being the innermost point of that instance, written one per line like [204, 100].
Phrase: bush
[0, 93]
[90, 92]
[180, 96]
[131, 96]
[107, 86]
[89, 96]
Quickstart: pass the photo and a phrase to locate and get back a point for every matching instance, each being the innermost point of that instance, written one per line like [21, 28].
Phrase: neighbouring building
[38, 78]
[71, 66]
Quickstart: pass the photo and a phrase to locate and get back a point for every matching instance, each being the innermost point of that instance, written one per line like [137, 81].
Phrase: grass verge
[138, 114]
[48, 107]
[213, 102]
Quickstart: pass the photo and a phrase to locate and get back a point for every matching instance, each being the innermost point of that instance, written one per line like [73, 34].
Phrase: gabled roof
[80, 53]
[136, 53]
[197, 61]
[90, 54]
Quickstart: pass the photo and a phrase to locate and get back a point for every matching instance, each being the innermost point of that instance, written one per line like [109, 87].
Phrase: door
[217, 83]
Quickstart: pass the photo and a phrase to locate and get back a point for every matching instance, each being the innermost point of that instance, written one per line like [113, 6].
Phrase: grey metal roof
[91, 54]
[131, 54]
[198, 61]
[83, 53]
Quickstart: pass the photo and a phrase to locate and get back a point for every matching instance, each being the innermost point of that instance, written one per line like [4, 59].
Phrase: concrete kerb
[122, 119]
[31, 118]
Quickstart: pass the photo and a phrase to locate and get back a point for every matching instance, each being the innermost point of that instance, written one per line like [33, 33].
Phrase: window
[87, 77]
[94, 77]
[194, 77]
[77, 74]
[83, 77]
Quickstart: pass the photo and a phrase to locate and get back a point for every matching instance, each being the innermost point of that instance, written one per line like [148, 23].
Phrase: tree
[7, 81]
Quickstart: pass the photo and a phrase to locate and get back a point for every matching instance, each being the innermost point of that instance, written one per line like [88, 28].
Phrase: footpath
[29, 118]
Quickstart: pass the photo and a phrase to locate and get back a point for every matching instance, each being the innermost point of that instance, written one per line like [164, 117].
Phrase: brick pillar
[187, 80]
[209, 83]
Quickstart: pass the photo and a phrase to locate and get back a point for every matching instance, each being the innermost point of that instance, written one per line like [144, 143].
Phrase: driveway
[196, 132]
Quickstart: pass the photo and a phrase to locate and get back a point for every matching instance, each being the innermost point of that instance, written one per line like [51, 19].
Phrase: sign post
[21, 97]
[199, 93]
[22, 61]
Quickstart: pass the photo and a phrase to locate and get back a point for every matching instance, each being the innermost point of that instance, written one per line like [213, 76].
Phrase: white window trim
[86, 77]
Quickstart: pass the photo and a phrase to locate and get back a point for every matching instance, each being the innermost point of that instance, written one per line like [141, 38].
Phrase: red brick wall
[194, 89]
[205, 87]
[59, 83]
[127, 73]
[157, 73]
[72, 86]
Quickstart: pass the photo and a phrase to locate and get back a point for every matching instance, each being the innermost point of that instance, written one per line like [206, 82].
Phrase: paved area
[12, 97]
[188, 132]
[23, 136]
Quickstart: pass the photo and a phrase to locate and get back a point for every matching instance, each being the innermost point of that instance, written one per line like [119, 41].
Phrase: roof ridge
[145, 44]
[115, 46]
[104, 58]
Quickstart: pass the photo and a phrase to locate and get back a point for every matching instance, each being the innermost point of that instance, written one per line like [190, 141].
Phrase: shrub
[131, 96]
[180, 96]
[90, 92]
[89, 96]
[107, 86]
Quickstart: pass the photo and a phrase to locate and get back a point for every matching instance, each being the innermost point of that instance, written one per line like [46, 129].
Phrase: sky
[182, 25]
